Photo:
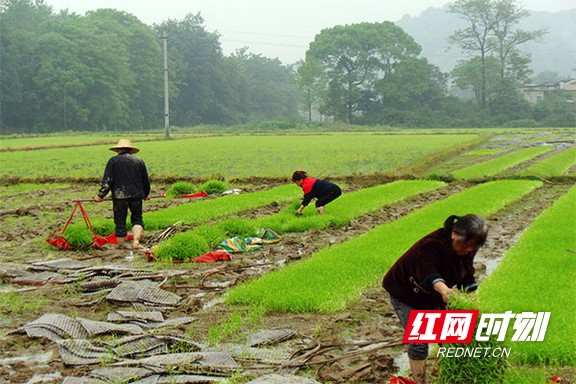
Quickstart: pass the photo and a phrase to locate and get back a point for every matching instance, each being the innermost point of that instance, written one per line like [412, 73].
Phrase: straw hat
[124, 144]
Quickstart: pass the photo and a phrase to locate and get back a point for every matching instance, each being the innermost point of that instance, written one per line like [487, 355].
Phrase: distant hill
[556, 52]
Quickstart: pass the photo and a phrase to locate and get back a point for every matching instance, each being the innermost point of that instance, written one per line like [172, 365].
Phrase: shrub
[182, 247]
[181, 188]
[213, 186]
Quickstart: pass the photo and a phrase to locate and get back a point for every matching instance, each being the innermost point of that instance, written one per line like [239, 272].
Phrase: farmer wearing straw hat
[127, 177]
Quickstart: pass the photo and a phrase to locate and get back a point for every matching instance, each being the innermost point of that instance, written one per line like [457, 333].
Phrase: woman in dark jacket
[322, 190]
[424, 276]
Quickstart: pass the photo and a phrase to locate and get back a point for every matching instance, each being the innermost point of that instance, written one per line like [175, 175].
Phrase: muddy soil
[347, 346]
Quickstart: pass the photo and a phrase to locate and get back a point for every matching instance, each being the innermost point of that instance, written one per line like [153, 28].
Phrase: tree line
[104, 71]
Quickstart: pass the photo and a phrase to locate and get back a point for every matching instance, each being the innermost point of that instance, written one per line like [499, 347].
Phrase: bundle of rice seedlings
[78, 236]
[213, 186]
[471, 370]
[181, 188]
[238, 227]
[182, 247]
[213, 235]
[103, 227]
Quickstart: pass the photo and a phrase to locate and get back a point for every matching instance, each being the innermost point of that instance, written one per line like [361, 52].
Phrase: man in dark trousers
[127, 177]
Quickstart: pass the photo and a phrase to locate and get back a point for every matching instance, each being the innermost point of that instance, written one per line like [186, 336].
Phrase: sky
[280, 29]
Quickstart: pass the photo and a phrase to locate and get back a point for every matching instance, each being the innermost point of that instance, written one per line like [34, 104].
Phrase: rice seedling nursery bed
[330, 279]
[537, 275]
[330, 291]
[499, 164]
[242, 156]
[341, 211]
[555, 165]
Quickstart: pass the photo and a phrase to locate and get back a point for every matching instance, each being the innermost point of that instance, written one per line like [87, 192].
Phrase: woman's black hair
[299, 175]
[471, 226]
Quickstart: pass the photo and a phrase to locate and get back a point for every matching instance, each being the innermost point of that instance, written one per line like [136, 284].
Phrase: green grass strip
[333, 277]
[339, 213]
[499, 164]
[202, 211]
[196, 212]
[538, 274]
[555, 165]
[347, 207]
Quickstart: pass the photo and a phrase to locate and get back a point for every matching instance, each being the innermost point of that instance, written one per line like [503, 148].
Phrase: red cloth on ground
[212, 257]
[197, 194]
[401, 380]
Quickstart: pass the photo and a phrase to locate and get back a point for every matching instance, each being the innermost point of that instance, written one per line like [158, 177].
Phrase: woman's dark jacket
[430, 260]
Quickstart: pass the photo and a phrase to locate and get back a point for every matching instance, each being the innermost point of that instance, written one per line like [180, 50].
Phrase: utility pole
[166, 96]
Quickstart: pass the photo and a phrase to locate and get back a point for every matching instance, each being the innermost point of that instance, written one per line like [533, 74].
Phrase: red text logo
[440, 326]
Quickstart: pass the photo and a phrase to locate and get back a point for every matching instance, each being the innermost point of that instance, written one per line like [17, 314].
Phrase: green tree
[354, 57]
[408, 96]
[492, 33]
[310, 81]
[267, 85]
[20, 23]
[479, 14]
[556, 110]
[195, 65]
[506, 39]
[144, 60]
[477, 74]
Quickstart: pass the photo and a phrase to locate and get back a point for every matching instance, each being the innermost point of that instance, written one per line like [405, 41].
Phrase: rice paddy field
[315, 280]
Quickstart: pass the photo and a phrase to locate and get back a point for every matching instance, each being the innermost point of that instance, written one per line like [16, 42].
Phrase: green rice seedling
[341, 212]
[238, 227]
[235, 323]
[12, 303]
[260, 155]
[333, 277]
[499, 164]
[538, 275]
[103, 227]
[347, 207]
[180, 188]
[30, 187]
[213, 234]
[182, 247]
[79, 236]
[197, 212]
[555, 165]
[466, 369]
[213, 186]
